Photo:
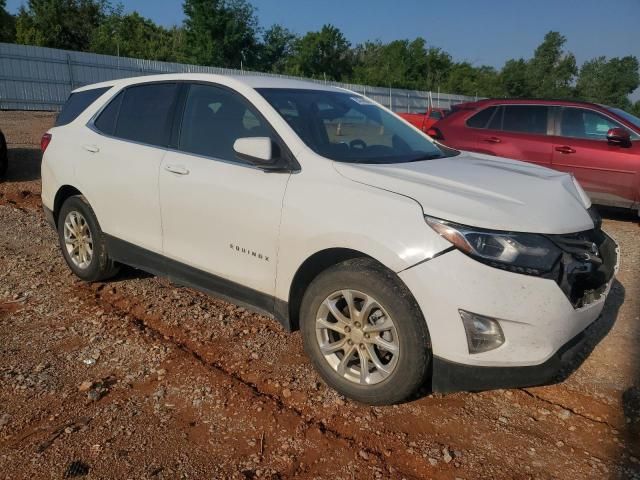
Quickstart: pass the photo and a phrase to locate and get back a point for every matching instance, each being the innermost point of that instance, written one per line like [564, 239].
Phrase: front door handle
[177, 169]
[565, 149]
[91, 148]
[493, 140]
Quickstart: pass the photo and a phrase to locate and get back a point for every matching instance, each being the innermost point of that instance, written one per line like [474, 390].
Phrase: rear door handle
[493, 140]
[91, 148]
[177, 169]
[565, 149]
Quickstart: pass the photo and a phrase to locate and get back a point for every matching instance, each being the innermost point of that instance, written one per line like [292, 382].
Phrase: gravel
[139, 378]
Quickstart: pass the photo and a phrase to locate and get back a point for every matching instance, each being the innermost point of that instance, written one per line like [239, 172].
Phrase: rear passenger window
[214, 118]
[496, 121]
[106, 122]
[525, 118]
[78, 103]
[480, 119]
[145, 113]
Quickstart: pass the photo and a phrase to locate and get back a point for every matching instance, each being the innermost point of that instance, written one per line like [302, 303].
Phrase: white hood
[484, 191]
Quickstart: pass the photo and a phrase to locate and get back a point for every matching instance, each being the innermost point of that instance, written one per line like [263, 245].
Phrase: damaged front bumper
[546, 321]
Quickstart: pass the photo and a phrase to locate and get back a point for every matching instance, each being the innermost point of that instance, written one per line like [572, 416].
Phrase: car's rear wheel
[365, 333]
[82, 242]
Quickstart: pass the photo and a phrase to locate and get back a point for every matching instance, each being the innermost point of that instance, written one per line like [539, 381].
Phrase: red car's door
[518, 132]
[609, 173]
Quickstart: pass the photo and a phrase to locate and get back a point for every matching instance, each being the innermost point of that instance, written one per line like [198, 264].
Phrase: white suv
[401, 260]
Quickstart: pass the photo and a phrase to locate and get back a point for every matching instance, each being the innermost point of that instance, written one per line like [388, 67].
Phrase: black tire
[414, 355]
[4, 157]
[101, 266]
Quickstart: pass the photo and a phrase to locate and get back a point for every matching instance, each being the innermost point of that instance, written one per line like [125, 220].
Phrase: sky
[483, 32]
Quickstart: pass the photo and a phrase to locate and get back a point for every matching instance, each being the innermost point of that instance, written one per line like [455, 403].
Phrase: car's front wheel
[365, 333]
[82, 242]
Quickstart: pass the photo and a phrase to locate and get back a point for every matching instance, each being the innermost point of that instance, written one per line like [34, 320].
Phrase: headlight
[526, 253]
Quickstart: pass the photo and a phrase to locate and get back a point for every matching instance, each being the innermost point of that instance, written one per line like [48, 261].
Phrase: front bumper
[449, 377]
[543, 328]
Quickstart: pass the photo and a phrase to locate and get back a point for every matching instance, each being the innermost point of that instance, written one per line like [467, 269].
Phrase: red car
[600, 145]
[424, 121]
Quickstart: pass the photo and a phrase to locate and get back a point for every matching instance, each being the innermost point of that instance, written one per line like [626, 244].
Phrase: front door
[609, 173]
[221, 215]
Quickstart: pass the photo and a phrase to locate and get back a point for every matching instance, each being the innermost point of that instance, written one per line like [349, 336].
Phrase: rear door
[609, 173]
[122, 150]
[466, 135]
[519, 132]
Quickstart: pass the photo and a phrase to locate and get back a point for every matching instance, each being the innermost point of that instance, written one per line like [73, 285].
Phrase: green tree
[277, 49]
[465, 79]
[439, 65]
[401, 64]
[513, 79]
[131, 35]
[7, 24]
[552, 71]
[610, 82]
[635, 109]
[383, 65]
[67, 24]
[323, 54]
[221, 33]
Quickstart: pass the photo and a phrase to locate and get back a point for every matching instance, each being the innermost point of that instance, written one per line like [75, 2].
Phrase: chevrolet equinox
[401, 261]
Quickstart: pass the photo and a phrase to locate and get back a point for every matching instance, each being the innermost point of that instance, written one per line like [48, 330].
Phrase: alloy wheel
[357, 337]
[78, 239]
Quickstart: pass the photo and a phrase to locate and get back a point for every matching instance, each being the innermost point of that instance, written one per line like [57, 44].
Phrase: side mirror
[257, 150]
[262, 152]
[619, 136]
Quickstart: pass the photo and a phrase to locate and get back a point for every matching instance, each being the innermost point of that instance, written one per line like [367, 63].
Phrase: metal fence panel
[38, 78]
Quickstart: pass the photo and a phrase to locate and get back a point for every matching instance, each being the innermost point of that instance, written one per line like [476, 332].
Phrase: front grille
[586, 266]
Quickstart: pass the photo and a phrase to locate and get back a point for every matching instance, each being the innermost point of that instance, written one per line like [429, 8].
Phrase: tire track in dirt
[128, 308]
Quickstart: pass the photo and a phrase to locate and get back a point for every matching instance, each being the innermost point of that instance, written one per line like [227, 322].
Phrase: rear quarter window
[78, 103]
[106, 122]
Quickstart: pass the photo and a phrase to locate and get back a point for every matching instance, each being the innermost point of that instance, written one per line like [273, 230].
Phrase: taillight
[45, 141]
[435, 133]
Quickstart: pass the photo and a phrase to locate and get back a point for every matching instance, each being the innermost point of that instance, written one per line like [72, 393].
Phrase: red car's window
[480, 119]
[525, 118]
[586, 124]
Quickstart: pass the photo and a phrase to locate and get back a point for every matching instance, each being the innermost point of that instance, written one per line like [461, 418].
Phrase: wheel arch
[63, 193]
[308, 271]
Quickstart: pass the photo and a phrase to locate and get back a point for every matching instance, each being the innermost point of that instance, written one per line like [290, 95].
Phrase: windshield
[626, 115]
[349, 128]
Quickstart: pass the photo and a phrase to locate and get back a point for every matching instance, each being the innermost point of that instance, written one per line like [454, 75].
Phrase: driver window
[214, 118]
[585, 124]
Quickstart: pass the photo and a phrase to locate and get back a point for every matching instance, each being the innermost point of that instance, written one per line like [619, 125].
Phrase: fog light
[483, 333]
